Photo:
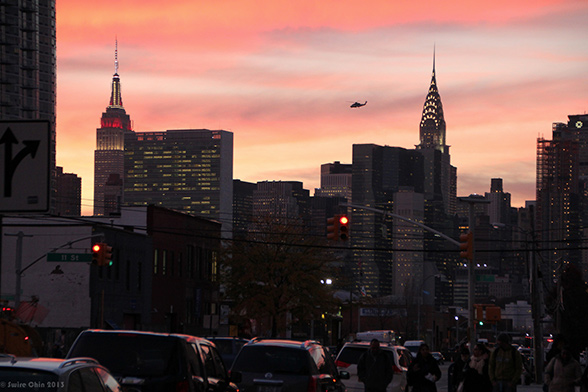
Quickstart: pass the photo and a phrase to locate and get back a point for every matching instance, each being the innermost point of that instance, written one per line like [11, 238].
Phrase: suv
[55, 375]
[279, 365]
[349, 356]
[149, 361]
[228, 347]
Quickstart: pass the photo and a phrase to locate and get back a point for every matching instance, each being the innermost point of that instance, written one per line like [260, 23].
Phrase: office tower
[68, 201]
[28, 65]
[499, 208]
[242, 207]
[189, 170]
[110, 144]
[335, 180]
[284, 201]
[379, 173]
[559, 197]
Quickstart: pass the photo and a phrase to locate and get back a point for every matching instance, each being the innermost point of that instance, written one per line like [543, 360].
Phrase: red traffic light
[96, 248]
[343, 227]
[344, 220]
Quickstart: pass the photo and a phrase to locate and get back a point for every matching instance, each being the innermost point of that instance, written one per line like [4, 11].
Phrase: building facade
[188, 170]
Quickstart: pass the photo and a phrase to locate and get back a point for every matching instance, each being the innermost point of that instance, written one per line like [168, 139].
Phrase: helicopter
[357, 104]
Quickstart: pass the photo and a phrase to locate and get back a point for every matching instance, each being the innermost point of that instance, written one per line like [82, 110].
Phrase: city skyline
[280, 79]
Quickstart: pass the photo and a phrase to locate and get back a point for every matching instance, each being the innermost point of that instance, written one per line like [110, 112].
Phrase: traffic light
[107, 255]
[466, 246]
[101, 254]
[97, 253]
[343, 227]
[333, 228]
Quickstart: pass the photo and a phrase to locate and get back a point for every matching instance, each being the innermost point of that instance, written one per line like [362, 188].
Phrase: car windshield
[28, 380]
[284, 360]
[129, 354]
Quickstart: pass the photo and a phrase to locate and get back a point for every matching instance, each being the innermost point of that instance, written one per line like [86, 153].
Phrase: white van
[413, 346]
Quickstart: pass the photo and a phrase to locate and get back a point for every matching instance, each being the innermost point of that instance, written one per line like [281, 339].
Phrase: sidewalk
[530, 388]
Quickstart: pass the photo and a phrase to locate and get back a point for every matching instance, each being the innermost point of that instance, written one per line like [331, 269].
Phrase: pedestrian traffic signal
[333, 228]
[343, 227]
[466, 246]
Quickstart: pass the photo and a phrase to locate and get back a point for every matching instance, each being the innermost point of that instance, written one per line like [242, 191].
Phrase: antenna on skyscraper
[116, 55]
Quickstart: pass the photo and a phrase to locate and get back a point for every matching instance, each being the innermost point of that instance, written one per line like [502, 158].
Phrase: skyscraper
[379, 173]
[189, 170]
[110, 144]
[559, 196]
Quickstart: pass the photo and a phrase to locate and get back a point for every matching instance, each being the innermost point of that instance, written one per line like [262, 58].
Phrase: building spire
[115, 95]
[432, 127]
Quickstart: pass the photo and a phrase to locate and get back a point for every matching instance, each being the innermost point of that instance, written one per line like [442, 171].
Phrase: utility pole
[472, 200]
[18, 265]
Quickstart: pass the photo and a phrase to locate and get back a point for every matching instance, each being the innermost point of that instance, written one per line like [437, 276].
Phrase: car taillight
[182, 386]
[342, 364]
[313, 384]
[396, 369]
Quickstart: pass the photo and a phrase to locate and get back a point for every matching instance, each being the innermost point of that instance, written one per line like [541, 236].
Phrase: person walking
[455, 370]
[563, 372]
[374, 368]
[476, 378]
[506, 366]
[424, 372]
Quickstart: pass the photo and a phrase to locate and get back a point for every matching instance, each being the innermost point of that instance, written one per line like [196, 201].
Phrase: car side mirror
[235, 377]
[344, 375]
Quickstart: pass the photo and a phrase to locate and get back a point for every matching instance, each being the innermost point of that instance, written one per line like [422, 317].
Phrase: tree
[274, 273]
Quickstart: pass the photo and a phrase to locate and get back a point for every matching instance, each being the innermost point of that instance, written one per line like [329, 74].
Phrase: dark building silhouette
[68, 200]
[242, 206]
[379, 174]
[110, 145]
[560, 195]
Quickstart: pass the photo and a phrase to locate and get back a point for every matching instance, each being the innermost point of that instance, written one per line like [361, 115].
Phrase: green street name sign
[70, 257]
[484, 278]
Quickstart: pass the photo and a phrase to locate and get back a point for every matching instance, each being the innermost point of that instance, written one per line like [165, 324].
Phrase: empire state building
[109, 153]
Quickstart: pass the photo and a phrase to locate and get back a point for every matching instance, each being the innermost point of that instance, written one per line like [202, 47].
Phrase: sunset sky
[281, 75]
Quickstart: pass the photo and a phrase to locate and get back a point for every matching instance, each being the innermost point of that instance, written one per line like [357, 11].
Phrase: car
[438, 357]
[284, 365]
[228, 347]
[152, 361]
[55, 375]
[349, 356]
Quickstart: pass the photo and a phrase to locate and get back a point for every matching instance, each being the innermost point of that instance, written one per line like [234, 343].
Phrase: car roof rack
[73, 361]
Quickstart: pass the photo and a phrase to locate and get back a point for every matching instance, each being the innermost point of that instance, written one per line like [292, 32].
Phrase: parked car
[228, 347]
[280, 365]
[149, 361]
[349, 356]
[438, 357]
[55, 375]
